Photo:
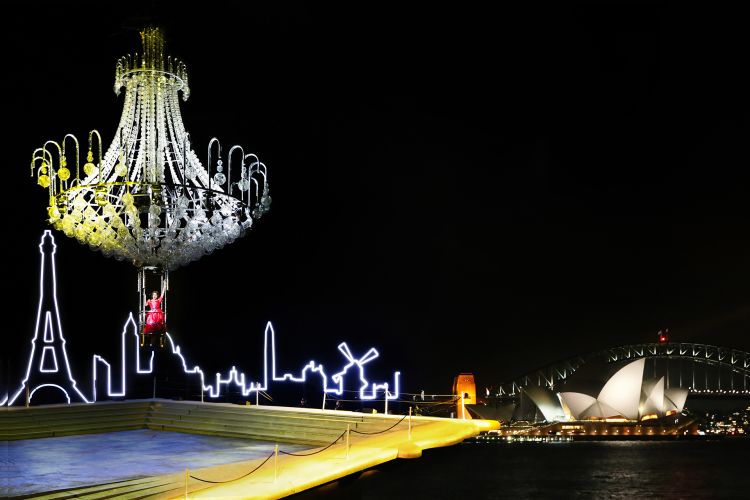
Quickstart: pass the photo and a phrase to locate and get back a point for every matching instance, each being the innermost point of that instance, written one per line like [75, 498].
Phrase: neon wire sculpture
[149, 199]
[48, 367]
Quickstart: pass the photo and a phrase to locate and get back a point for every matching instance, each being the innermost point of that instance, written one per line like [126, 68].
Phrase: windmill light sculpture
[148, 199]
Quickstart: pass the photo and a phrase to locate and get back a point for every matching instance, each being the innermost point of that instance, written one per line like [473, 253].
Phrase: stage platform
[33, 465]
[144, 448]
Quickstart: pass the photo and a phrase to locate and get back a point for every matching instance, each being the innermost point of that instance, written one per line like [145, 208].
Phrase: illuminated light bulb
[43, 181]
[89, 168]
[121, 169]
[219, 179]
[94, 239]
[127, 199]
[63, 173]
[81, 232]
[110, 211]
[90, 213]
[225, 210]
[131, 211]
[67, 222]
[54, 213]
[153, 221]
[80, 202]
[101, 197]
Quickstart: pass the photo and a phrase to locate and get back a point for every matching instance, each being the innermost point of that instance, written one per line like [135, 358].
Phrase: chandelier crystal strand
[148, 199]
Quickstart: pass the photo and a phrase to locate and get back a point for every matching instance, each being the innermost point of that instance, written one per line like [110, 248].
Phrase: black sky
[465, 189]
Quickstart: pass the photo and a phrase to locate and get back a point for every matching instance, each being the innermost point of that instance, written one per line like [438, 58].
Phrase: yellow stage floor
[292, 474]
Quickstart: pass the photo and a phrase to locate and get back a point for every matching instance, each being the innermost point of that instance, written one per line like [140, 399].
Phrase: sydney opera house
[600, 401]
[626, 396]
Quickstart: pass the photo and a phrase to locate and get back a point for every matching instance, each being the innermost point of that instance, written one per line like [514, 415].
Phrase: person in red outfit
[154, 316]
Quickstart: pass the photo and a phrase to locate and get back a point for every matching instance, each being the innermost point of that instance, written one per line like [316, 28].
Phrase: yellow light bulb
[43, 181]
[101, 197]
[121, 170]
[67, 225]
[63, 173]
[89, 168]
[95, 239]
[81, 233]
[53, 213]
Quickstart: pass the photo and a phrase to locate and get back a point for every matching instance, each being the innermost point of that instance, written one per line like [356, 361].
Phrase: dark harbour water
[614, 469]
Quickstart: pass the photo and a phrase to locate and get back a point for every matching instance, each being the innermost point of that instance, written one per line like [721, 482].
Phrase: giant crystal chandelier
[149, 199]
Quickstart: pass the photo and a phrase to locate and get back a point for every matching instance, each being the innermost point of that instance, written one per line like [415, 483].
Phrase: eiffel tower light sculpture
[149, 199]
[48, 364]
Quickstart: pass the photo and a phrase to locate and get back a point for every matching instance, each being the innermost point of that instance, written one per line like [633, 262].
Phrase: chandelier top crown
[153, 48]
[152, 60]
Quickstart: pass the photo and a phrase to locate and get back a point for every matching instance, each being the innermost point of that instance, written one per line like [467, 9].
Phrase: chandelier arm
[46, 158]
[208, 162]
[51, 165]
[99, 138]
[34, 158]
[78, 155]
[33, 166]
[249, 173]
[264, 173]
[229, 166]
[252, 179]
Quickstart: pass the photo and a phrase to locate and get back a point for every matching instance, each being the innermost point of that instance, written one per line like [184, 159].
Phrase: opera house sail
[625, 395]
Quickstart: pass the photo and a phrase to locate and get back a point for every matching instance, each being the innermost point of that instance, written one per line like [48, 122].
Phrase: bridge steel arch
[731, 367]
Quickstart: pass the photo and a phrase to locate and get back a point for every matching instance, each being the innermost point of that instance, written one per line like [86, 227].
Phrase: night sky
[464, 189]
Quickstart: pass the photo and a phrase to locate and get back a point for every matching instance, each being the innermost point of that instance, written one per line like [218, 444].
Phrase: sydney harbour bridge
[701, 368]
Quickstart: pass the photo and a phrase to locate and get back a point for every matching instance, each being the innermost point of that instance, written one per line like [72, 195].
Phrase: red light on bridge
[663, 336]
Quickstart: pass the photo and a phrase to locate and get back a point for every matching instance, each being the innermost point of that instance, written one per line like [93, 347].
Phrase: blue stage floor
[38, 465]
